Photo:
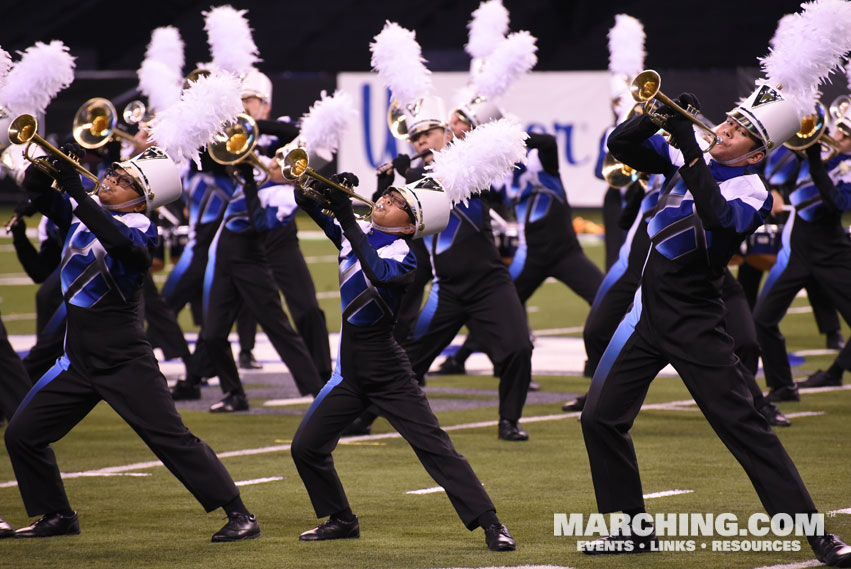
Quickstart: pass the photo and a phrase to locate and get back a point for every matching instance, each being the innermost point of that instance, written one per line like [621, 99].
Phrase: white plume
[806, 49]
[160, 83]
[511, 59]
[626, 46]
[326, 121]
[481, 158]
[398, 59]
[781, 24]
[166, 46]
[487, 28]
[204, 109]
[43, 71]
[5, 66]
[231, 43]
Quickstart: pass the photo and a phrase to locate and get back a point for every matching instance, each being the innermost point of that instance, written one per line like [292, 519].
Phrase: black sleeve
[547, 148]
[284, 131]
[825, 186]
[625, 144]
[37, 264]
[384, 182]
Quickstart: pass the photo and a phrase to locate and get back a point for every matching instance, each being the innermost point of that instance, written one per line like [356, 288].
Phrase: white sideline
[258, 480]
[666, 493]
[433, 490]
[800, 565]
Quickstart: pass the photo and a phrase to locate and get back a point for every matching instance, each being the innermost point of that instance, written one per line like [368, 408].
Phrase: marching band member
[106, 354]
[707, 206]
[375, 266]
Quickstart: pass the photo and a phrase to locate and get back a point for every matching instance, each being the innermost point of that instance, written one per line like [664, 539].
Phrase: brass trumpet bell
[135, 112]
[237, 144]
[645, 88]
[617, 174]
[396, 121]
[295, 168]
[813, 131]
[24, 130]
[96, 123]
[839, 111]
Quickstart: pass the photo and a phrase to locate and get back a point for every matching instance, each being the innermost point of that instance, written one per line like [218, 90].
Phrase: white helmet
[256, 84]
[156, 174]
[768, 116]
[425, 114]
[429, 203]
[478, 112]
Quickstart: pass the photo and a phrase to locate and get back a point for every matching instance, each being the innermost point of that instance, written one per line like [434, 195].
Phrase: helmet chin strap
[745, 156]
[116, 207]
[404, 230]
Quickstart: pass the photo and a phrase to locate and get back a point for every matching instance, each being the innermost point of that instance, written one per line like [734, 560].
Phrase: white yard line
[799, 310]
[842, 511]
[799, 565]
[804, 414]
[258, 481]
[665, 493]
[288, 402]
[432, 490]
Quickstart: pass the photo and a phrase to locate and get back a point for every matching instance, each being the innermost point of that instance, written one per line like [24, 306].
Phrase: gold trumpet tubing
[348, 191]
[712, 137]
[41, 161]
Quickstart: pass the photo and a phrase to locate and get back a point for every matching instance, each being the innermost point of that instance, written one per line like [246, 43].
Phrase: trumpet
[237, 144]
[813, 131]
[645, 88]
[617, 174]
[396, 121]
[135, 112]
[96, 123]
[296, 169]
[23, 131]
[839, 111]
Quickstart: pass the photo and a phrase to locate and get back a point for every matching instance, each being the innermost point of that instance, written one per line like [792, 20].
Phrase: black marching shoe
[511, 431]
[831, 550]
[451, 366]
[785, 393]
[821, 379]
[357, 428]
[498, 538]
[247, 361]
[774, 416]
[617, 544]
[534, 386]
[230, 403]
[6, 530]
[185, 391]
[332, 528]
[574, 404]
[51, 525]
[238, 528]
[835, 341]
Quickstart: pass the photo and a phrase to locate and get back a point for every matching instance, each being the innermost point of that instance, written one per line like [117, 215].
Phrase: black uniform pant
[832, 275]
[493, 313]
[14, 381]
[614, 236]
[293, 279]
[412, 298]
[163, 330]
[716, 380]
[138, 392]
[240, 277]
[403, 403]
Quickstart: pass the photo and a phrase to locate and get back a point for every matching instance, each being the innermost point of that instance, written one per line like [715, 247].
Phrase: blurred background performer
[548, 245]
[375, 264]
[107, 356]
[678, 314]
[626, 60]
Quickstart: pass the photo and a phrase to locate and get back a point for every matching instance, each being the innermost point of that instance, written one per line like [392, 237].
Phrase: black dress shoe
[185, 391]
[831, 550]
[617, 544]
[332, 528]
[357, 428]
[247, 361]
[51, 525]
[835, 341]
[785, 393]
[534, 386]
[498, 538]
[6, 530]
[774, 416]
[821, 379]
[230, 403]
[451, 366]
[511, 431]
[239, 527]
[575, 404]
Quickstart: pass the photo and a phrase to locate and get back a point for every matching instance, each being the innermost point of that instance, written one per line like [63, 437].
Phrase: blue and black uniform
[372, 369]
[107, 356]
[703, 213]
[816, 250]
[237, 276]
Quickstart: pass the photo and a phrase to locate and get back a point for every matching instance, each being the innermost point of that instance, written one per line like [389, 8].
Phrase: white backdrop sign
[573, 106]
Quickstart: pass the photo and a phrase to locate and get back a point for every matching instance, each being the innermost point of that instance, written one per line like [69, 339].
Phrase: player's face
[459, 127]
[843, 140]
[118, 188]
[255, 107]
[434, 138]
[735, 142]
[391, 211]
